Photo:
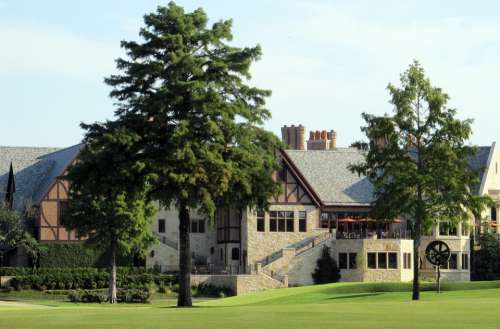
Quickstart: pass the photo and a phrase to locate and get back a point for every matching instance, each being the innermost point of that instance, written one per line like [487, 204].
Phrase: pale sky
[325, 61]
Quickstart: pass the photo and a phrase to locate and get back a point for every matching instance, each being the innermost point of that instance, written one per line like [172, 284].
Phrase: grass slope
[343, 306]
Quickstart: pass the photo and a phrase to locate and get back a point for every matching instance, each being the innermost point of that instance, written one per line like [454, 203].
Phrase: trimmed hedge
[84, 278]
[76, 254]
[100, 296]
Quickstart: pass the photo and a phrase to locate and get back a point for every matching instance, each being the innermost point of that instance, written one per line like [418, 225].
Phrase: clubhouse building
[323, 204]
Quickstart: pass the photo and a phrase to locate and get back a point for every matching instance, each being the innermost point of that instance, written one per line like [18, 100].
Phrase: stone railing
[166, 241]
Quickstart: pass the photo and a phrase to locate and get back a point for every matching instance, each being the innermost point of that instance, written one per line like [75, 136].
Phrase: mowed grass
[340, 305]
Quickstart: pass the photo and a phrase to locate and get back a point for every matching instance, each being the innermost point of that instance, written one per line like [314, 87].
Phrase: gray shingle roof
[479, 162]
[35, 169]
[328, 174]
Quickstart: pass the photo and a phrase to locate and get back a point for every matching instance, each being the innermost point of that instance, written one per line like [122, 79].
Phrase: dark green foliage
[60, 255]
[417, 160]
[487, 259]
[326, 270]
[100, 296]
[197, 125]
[13, 233]
[84, 278]
[208, 290]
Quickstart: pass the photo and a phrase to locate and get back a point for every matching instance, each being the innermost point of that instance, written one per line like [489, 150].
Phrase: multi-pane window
[261, 221]
[198, 226]
[465, 261]
[347, 260]
[382, 260]
[161, 226]
[302, 221]
[281, 221]
[446, 229]
[407, 260]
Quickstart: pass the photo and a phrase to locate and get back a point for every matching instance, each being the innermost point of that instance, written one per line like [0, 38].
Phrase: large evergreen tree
[417, 160]
[109, 195]
[184, 90]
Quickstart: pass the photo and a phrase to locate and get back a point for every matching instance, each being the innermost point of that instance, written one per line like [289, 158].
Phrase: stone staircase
[276, 265]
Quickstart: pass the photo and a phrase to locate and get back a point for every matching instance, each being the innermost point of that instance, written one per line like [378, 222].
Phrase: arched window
[493, 214]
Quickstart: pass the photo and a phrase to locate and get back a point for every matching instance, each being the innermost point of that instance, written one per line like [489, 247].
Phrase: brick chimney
[322, 140]
[294, 137]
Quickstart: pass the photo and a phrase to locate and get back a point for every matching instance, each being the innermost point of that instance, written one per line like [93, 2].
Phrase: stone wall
[262, 244]
[239, 284]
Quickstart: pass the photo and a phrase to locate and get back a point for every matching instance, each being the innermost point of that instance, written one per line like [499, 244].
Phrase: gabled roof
[35, 170]
[328, 174]
[479, 163]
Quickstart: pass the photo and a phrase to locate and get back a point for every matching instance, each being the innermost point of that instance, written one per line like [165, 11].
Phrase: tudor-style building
[323, 203]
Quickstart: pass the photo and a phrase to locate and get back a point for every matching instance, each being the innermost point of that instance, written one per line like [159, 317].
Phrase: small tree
[417, 161]
[183, 89]
[326, 270]
[109, 200]
[13, 234]
[487, 259]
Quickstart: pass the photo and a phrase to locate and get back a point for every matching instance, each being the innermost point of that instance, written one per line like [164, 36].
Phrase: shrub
[487, 258]
[326, 270]
[207, 290]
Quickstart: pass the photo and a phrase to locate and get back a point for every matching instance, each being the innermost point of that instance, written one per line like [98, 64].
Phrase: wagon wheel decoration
[437, 253]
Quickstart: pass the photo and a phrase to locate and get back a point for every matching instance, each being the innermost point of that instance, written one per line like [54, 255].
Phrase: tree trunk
[112, 274]
[416, 252]
[184, 296]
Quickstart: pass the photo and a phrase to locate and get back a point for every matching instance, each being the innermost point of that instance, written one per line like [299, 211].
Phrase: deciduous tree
[417, 160]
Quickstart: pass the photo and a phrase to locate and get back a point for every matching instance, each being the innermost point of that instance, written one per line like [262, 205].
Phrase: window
[372, 260]
[221, 254]
[342, 260]
[465, 261]
[212, 250]
[161, 225]
[407, 260]
[281, 221]
[393, 260]
[382, 260]
[273, 221]
[302, 221]
[352, 260]
[289, 224]
[198, 226]
[465, 229]
[260, 221]
[63, 209]
[493, 214]
[235, 254]
[446, 229]
[452, 263]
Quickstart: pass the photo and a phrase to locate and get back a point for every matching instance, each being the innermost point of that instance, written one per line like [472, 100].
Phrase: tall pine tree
[417, 161]
[185, 91]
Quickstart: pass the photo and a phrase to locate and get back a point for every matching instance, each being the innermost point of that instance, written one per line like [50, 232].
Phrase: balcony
[364, 234]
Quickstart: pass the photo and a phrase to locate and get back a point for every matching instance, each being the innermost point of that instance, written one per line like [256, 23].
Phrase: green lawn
[343, 306]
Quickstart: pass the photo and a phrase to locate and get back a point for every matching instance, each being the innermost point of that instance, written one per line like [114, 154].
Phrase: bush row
[88, 279]
[101, 296]
[75, 254]
[17, 271]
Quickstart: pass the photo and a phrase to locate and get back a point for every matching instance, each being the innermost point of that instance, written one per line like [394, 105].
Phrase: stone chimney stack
[322, 140]
[294, 137]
